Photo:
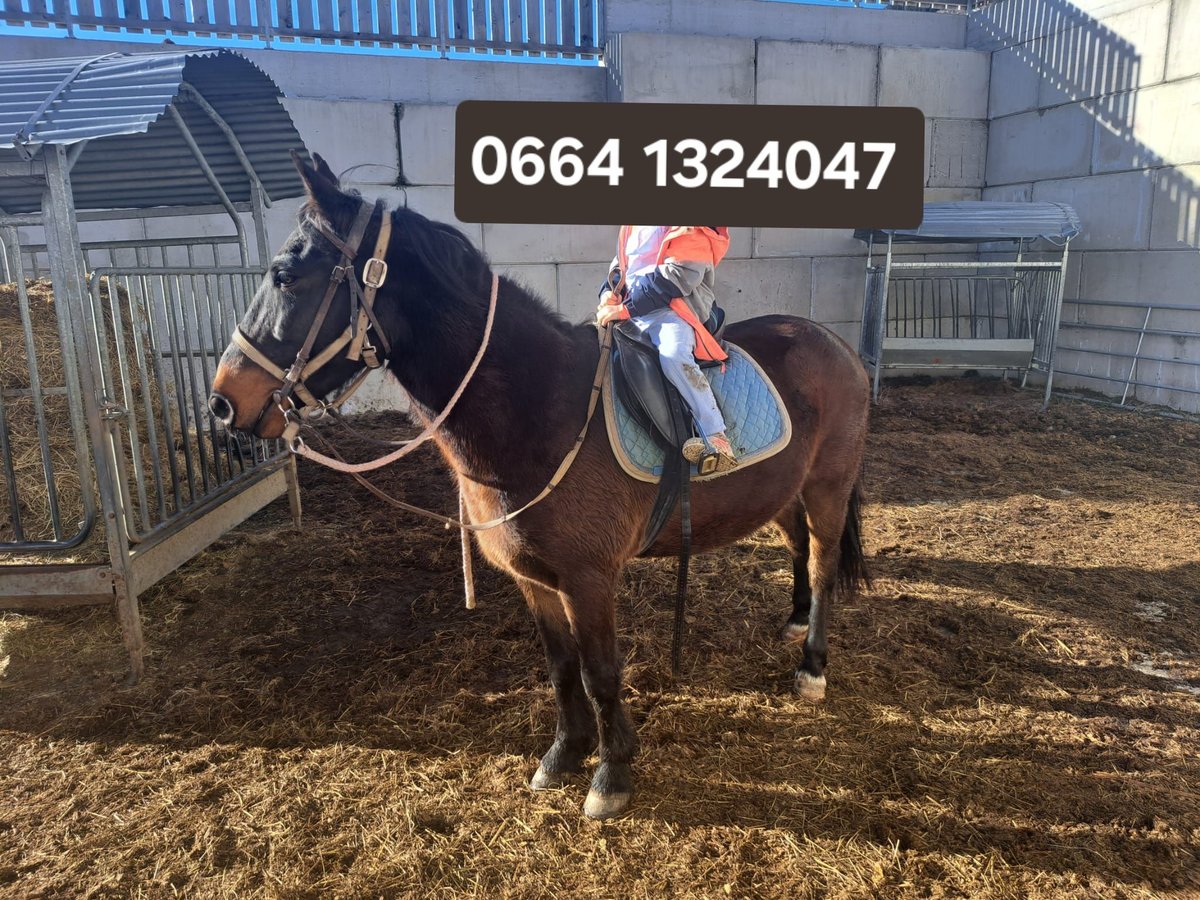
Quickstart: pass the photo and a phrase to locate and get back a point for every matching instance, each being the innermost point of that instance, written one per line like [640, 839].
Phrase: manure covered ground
[1013, 708]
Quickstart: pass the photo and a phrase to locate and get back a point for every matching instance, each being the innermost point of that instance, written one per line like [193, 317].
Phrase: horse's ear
[320, 182]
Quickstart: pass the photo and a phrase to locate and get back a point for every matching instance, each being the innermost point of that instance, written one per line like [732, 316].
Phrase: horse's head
[305, 333]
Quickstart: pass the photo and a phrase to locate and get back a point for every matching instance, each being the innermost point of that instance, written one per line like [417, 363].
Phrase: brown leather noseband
[355, 337]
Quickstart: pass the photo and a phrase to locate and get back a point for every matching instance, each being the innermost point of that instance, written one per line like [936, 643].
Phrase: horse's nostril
[221, 408]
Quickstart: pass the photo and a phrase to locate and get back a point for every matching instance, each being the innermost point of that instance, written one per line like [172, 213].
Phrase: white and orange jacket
[672, 266]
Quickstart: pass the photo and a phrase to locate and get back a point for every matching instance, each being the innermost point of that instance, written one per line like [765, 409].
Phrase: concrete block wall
[824, 266]
[1097, 103]
[385, 122]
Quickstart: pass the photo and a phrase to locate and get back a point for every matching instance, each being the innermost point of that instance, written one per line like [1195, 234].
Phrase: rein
[337, 463]
[362, 320]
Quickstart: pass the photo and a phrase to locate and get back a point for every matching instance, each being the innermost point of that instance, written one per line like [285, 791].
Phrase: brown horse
[517, 420]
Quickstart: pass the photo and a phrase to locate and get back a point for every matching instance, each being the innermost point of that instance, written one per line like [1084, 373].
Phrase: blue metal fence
[562, 29]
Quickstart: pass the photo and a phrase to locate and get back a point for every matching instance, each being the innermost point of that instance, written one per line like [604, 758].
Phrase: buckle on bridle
[375, 273]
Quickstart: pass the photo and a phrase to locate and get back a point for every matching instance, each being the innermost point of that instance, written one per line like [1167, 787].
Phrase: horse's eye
[283, 278]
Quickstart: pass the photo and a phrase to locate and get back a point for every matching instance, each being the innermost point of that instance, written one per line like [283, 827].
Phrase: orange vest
[686, 243]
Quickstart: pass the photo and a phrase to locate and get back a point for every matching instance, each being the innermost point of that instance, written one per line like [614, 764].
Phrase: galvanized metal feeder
[155, 140]
[998, 311]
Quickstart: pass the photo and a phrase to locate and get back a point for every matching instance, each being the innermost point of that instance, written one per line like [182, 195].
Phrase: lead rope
[342, 466]
[465, 527]
[297, 445]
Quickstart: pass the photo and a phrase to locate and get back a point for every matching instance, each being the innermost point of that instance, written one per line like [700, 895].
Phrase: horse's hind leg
[825, 503]
[576, 734]
[792, 522]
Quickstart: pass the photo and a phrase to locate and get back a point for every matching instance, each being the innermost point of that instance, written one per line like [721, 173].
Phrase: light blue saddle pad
[756, 422]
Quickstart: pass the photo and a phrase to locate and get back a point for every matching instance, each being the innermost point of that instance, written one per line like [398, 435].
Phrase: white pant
[676, 343]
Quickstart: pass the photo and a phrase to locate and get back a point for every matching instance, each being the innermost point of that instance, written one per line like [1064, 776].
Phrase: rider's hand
[608, 312]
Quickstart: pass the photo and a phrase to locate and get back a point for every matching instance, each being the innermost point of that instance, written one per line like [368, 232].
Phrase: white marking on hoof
[793, 633]
[810, 688]
[548, 781]
[605, 806]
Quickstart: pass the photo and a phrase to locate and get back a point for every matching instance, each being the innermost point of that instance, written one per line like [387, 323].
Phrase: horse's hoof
[605, 806]
[548, 781]
[793, 633]
[810, 687]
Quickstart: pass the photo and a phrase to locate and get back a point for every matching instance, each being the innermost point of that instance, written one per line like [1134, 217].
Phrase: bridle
[363, 320]
[356, 338]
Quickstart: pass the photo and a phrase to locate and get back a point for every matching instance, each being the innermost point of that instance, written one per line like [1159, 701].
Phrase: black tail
[852, 566]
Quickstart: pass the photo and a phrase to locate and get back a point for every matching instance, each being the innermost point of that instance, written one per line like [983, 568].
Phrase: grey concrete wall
[1097, 103]
[821, 268]
[386, 121]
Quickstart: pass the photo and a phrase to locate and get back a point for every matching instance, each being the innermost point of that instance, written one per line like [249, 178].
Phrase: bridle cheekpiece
[355, 339]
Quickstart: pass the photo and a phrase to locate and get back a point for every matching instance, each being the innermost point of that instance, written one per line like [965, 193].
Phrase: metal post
[258, 214]
[1136, 355]
[66, 266]
[198, 154]
[1062, 287]
[881, 328]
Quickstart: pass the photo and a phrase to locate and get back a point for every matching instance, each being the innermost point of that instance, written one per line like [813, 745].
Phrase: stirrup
[707, 458]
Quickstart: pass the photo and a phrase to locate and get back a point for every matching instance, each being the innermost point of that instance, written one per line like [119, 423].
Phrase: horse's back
[802, 355]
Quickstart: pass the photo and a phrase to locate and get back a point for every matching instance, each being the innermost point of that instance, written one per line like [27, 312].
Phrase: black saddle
[643, 388]
[660, 409]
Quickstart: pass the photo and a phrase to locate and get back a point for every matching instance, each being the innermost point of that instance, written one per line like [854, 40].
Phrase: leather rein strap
[593, 401]
[363, 320]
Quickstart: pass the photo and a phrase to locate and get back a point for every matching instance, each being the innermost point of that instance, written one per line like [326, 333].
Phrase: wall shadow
[1080, 60]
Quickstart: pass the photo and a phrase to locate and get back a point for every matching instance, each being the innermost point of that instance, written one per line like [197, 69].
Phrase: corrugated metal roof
[978, 221]
[136, 156]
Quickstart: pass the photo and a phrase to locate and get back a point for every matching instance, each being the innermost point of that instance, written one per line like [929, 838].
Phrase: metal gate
[112, 473]
[988, 312]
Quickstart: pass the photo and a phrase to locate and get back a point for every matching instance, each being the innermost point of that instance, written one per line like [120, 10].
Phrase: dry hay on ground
[1012, 708]
[142, 387]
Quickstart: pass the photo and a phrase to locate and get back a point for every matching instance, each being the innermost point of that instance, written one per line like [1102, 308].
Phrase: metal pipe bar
[164, 403]
[199, 406]
[1055, 320]
[34, 219]
[181, 270]
[10, 477]
[12, 240]
[174, 339]
[1115, 354]
[1136, 353]
[215, 434]
[150, 243]
[1134, 304]
[211, 176]
[1131, 329]
[62, 234]
[1146, 384]
[141, 335]
[972, 264]
[130, 406]
[191, 91]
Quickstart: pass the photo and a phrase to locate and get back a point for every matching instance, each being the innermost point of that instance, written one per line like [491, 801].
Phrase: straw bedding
[1013, 709]
[143, 386]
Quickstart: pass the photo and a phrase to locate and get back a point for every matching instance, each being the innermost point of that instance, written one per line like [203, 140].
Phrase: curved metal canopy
[979, 221]
[128, 108]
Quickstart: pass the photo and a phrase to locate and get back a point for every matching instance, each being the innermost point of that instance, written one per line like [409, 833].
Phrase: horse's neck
[512, 419]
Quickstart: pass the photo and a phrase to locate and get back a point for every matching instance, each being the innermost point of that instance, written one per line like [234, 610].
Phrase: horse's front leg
[576, 733]
[590, 605]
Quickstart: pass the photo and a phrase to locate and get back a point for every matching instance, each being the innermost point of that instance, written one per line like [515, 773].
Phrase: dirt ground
[1013, 708]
